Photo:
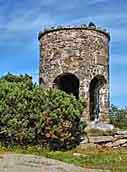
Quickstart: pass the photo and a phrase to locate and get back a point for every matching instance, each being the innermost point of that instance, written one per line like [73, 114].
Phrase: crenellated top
[91, 26]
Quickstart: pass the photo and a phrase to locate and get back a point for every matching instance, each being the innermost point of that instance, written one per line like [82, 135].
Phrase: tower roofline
[84, 27]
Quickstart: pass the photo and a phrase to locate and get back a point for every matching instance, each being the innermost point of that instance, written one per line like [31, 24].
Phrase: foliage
[118, 117]
[30, 115]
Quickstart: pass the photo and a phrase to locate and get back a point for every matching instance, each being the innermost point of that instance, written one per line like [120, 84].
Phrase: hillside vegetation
[118, 117]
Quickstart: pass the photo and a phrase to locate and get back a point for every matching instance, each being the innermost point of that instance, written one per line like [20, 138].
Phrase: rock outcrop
[32, 163]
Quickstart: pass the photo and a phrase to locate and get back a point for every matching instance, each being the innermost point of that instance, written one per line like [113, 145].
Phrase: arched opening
[95, 85]
[68, 82]
[41, 81]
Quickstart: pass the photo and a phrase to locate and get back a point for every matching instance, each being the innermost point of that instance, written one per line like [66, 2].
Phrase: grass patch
[114, 160]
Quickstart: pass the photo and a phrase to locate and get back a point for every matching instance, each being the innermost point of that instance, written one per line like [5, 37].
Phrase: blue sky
[21, 20]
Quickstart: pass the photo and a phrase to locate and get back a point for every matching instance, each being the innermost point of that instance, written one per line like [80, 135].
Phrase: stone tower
[76, 60]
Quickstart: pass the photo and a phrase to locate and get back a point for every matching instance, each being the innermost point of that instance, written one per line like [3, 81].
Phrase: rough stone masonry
[75, 59]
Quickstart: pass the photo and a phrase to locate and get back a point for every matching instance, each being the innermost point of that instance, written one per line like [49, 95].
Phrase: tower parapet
[83, 26]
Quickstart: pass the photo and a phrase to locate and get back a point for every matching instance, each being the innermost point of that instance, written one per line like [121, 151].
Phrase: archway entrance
[69, 83]
[96, 84]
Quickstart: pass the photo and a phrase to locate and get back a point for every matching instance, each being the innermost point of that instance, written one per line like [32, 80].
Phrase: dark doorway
[94, 91]
[41, 81]
[69, 83]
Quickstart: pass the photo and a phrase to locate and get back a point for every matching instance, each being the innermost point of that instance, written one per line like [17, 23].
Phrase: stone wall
[82, 51]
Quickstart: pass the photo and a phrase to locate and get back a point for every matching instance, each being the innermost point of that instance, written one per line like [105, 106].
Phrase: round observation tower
[76, 60]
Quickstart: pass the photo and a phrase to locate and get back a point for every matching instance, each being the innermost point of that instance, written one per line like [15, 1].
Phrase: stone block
[100, 139]
[119, 142]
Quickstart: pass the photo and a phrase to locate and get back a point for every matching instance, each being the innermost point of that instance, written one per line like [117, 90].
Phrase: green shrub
[118, 117]
[30, 115]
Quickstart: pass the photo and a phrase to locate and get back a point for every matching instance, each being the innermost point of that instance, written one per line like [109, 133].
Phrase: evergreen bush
[30, 115]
